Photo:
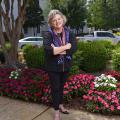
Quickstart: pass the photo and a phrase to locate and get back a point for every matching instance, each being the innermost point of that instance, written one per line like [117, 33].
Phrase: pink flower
[96, 107]
[75, 87]
[118, 107]
[100, 99]
[106, 105]
[65, 92]
[85, 97]
[92, 85]
[109, 97]
[90, 92]
[112, 108]
[115, 100]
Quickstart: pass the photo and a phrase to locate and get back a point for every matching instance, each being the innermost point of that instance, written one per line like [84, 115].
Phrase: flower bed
[104, 97]
[28, 86]
[33, 85]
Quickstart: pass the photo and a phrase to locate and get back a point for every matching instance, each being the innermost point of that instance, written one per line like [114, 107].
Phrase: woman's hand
[68, 46]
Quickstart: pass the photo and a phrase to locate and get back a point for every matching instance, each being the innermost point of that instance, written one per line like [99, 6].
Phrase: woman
[59, 45]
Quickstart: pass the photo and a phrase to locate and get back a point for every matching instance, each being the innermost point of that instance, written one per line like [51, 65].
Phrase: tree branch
[2, 40]
[6, 21]
[12, 17]
[7, 6]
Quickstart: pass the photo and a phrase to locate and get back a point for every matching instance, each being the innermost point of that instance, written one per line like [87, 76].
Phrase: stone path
[11, 109]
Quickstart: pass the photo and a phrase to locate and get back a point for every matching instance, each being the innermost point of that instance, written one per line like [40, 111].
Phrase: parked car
[30, 40]
[100, 35]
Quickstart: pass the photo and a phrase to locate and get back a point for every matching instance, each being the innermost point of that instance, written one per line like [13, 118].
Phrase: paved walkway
[11, 109]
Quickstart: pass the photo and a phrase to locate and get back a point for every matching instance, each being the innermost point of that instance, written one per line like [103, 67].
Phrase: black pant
[57, 80]
[2, 57]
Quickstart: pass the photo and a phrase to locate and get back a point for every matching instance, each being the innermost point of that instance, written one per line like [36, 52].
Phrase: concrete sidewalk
[11, 109]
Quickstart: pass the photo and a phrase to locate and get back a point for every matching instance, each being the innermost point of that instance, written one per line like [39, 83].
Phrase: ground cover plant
[99, 93]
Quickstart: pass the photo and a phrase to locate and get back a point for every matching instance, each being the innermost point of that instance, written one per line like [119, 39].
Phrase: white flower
[14, 74]
[15, 78]
[112, 85]
[105, 84]
[96, 85]
[106, 81]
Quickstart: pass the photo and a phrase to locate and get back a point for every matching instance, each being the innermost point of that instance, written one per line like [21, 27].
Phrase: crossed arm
[61, 49]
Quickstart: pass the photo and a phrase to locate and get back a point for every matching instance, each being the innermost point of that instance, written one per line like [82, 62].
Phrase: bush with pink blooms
[103, 101]
[33, 85]
[105, 96]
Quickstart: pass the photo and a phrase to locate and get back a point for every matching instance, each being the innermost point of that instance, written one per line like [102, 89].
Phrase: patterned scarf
[59, 41]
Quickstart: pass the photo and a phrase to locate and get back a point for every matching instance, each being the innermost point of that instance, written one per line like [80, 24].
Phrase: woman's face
[57, 22]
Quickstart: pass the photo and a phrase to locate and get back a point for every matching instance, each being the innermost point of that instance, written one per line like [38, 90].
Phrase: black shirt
[51, 61]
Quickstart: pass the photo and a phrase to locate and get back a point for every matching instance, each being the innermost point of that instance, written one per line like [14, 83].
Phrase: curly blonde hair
[51, 15]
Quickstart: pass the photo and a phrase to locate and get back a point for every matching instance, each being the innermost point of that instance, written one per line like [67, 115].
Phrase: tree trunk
[12, 28]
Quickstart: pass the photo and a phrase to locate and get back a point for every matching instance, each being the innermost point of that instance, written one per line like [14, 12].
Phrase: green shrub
[27, 48]
[76, 63]
[94, 56]
[116, 59]
[108, 45]
[117, 45]
[34, 56]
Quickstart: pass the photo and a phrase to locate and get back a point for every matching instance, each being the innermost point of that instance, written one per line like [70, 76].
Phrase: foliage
[33, 85]
[34, 15]
[27, 48]
[76, 13]
[117, 33]
[94, 56]
[56, 4]
[96, 13]
[34, 56]
[116, 59]
[76, 61]
[117, 46]
[26, 86]
[104, 102]
[74, 70]
[109, 47]
[100, 10]
[8, 46]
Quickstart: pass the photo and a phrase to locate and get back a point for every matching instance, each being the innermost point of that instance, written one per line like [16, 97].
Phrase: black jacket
[51, 61]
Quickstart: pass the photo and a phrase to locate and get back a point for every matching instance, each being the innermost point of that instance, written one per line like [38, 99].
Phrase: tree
[96, 13]
[104, 14]
[76, 13]
[56, 4]
[34, 15]
[114, 11]
[12, 26]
